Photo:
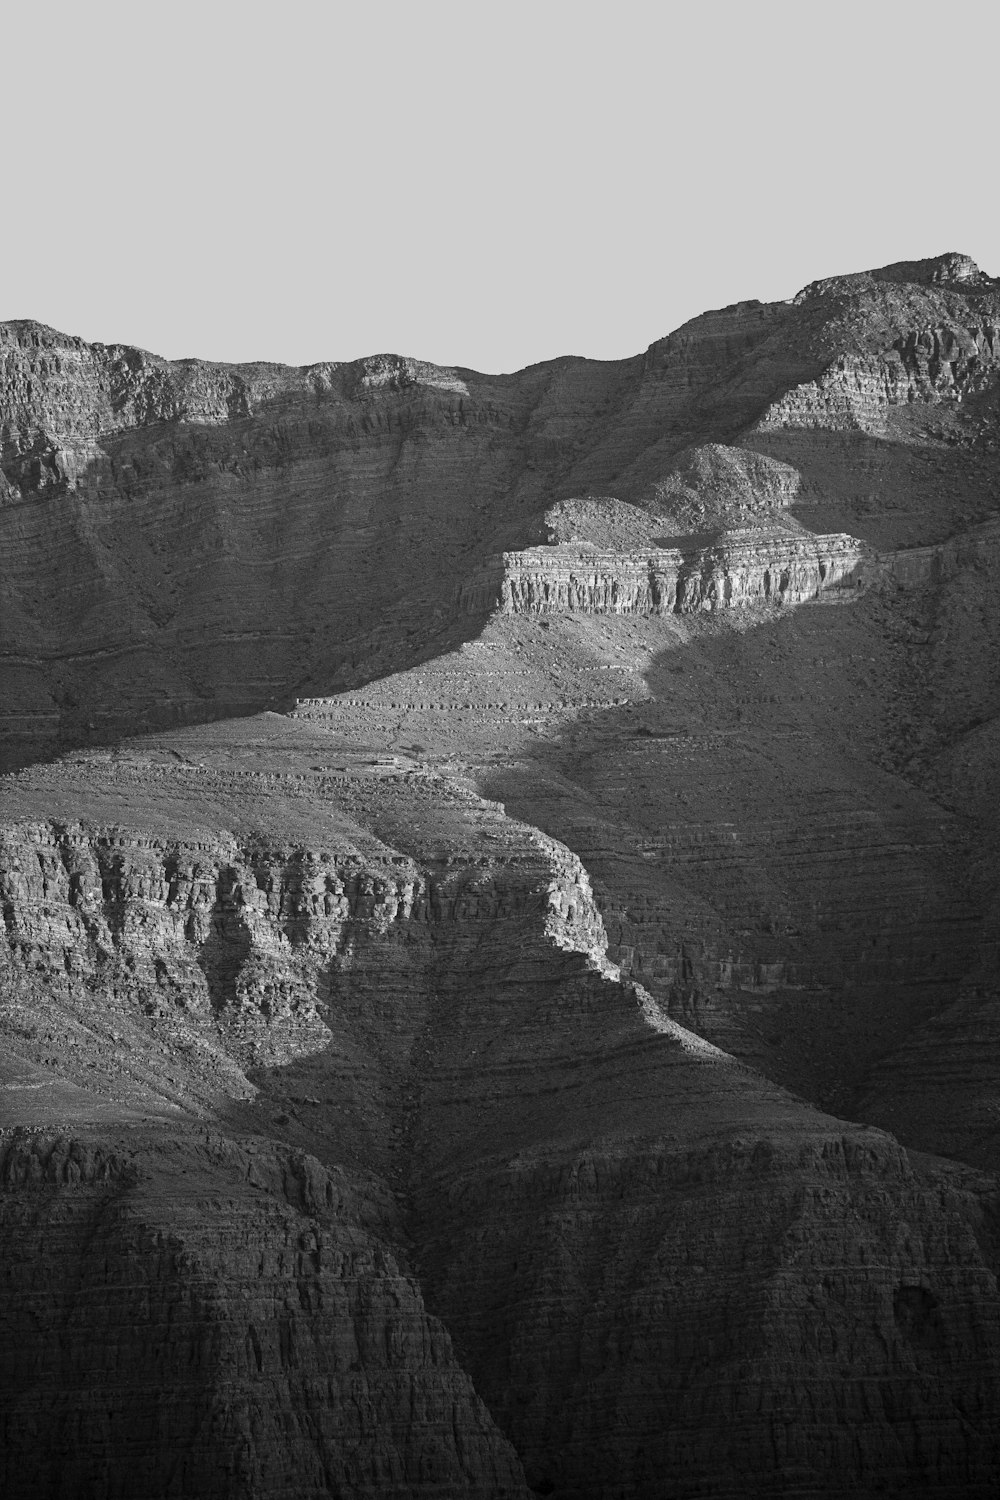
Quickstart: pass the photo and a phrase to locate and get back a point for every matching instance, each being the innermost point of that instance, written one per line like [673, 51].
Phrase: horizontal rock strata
[733, 573]
[507, 1136]
[364, 1124]
[182, 1315]
[595, 1194]
[978, 549]
[856, 391]
[144, 504]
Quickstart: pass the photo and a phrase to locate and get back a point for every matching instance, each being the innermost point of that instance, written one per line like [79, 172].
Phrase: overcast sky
[477, 184]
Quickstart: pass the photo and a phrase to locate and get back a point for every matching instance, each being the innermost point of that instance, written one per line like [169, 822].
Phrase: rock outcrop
[733, 572]
[716, 487]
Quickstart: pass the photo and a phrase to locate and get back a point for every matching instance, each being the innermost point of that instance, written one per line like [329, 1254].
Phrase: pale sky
[477, 184]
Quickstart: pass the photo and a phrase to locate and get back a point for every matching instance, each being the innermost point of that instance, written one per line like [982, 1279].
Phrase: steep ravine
[628, 1237]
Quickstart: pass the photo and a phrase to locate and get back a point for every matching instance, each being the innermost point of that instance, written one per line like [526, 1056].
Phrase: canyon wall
[472, 1118]
[147, 506]
[733, 572]
[185, 1315]
[479, 1081]
[927, 365]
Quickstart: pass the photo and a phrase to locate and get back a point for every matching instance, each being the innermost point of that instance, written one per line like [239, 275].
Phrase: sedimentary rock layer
[733, 572]
[472, 1118]
[146, 506]
[185, 1315]
[364, 1123]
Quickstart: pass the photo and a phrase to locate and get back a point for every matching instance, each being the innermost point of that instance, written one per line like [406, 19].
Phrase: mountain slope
[476, 1078]
[151, 507]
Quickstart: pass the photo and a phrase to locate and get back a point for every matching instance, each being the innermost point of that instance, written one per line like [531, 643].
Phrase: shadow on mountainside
[189, 572]
[761, 864]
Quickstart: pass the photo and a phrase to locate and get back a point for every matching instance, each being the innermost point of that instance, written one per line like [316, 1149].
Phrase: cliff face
[268, 1336]
[149, 505]
[725, 1305]
[228, 1326]
[735, 572]
[513, 1140]
[478, 1081]
[926, 364]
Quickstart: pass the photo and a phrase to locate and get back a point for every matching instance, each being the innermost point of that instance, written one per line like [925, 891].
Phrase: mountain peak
[951, 269]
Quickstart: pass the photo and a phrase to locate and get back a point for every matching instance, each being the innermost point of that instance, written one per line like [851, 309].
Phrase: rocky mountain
[501, 913]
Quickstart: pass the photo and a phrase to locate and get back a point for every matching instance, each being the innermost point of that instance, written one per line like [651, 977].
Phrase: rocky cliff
[182, 1315]
[150, 505]
[514, 1141]
[736, 571]
[480, 1080]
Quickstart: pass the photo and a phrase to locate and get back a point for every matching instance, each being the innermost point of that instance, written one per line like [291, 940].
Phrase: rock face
[595, 1194]
[479, 1081]
[255, 1342]
[156, 502]
[735, 572]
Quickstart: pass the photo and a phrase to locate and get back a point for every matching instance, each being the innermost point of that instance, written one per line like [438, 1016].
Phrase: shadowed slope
[472, 1117]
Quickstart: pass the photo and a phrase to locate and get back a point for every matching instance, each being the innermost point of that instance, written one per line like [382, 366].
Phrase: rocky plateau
[501, 896]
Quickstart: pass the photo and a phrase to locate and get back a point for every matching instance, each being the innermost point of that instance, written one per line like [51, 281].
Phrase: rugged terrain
[501, 898]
